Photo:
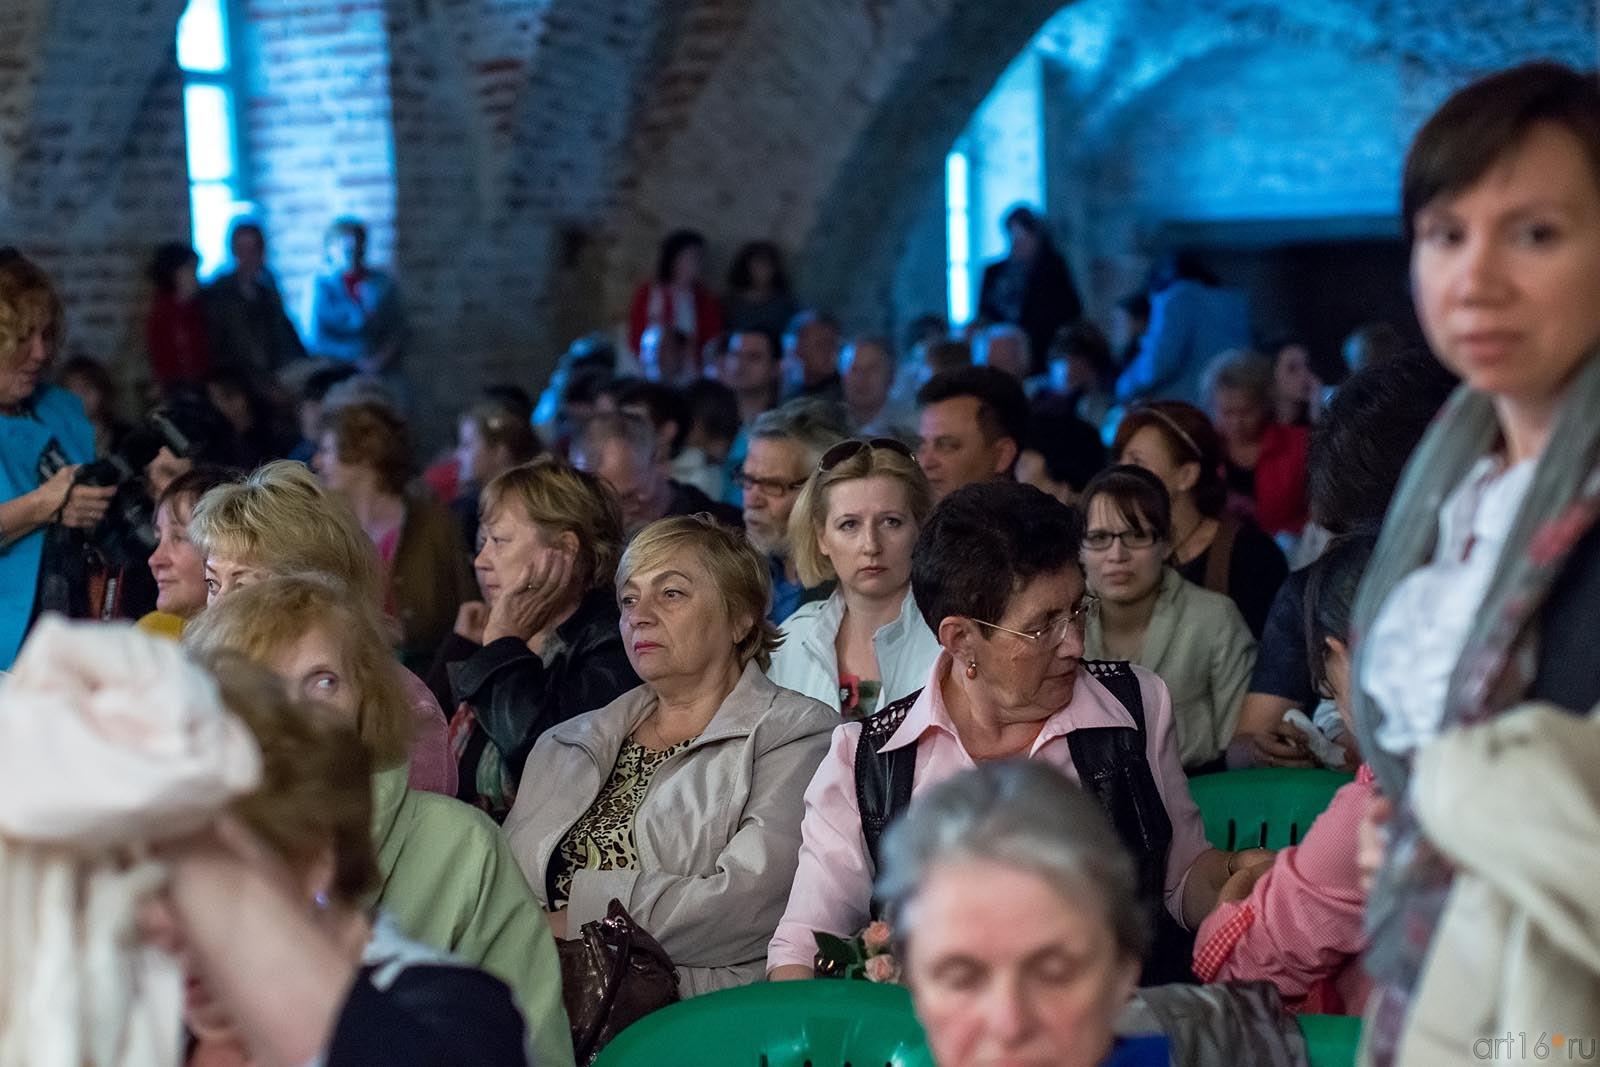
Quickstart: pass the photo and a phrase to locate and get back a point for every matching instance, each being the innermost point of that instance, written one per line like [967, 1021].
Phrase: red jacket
[707, 315]
[175, 335]
[1281, 505]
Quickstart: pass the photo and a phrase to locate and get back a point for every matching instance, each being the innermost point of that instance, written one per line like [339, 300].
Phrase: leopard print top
[602, 839]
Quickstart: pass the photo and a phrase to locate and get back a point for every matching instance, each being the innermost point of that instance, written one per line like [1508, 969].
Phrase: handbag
[613, 974]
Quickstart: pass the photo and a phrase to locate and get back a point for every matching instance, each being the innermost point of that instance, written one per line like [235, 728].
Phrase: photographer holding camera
[40, 425]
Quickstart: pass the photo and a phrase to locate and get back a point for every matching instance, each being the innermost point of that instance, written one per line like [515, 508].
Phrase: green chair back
[826, 1023]
[838, 1024]
[1264, 808]
[1331, 1040]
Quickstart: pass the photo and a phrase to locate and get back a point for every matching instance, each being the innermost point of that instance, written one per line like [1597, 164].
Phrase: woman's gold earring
[972, 668]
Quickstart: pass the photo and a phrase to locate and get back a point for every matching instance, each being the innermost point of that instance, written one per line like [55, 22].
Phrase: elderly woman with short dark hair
[1003, 840]
[681, 798]
[1011, 681]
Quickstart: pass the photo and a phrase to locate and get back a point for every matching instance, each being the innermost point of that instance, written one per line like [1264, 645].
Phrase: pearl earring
[320, 900]
[972, 668]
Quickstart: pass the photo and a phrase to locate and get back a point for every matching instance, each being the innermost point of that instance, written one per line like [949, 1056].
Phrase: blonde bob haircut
[736, 568]
[283, 520]
[559, 498]
[810, 515]
[262, 620]
[316, 778]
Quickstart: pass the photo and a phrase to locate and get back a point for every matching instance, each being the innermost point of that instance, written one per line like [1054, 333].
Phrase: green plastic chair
[1331, 1040]
[838, 1024]
[825, 1023]
[1270, 807]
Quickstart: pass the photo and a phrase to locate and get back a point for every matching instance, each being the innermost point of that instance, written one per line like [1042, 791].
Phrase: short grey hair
[632, 430]
[815, 424]
[1023, 814]
[1241, 369]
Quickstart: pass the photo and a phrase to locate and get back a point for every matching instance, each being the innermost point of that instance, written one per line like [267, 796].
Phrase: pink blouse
[833, 886]
[1301, 926]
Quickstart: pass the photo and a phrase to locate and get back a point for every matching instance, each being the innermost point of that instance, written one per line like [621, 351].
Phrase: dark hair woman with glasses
[855, 523]
[995, 574]
[1146, 613]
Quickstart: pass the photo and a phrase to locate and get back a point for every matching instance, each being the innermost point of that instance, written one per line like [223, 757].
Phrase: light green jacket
[449, 880]
[1200, 646]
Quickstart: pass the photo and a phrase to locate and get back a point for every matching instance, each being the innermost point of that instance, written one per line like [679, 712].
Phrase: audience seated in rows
[681, 798]
[855, 524]
[1010, 681]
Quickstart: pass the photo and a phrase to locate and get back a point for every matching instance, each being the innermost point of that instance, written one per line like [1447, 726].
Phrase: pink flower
[884, 968]
[875, 938]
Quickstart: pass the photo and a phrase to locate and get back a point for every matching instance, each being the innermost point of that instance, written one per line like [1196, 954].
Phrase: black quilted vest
[1113, 767]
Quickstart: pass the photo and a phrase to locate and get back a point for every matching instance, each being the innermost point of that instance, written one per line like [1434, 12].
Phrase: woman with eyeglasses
[995, 573]
[1212, 547]
[1146, 613]
[856, 521]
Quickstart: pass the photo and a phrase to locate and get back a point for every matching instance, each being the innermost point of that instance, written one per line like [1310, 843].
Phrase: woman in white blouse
[1484, 592]
[856, 521]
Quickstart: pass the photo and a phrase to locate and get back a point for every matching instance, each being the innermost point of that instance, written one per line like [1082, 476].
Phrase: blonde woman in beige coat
[682, 799]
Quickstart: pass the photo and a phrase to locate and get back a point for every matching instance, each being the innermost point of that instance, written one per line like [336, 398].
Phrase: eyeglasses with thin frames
[1055, 631]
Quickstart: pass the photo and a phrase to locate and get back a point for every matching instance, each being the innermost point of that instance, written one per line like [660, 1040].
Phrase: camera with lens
[90, 565]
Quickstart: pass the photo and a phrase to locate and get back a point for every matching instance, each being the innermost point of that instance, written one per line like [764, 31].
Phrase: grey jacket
[718, 834]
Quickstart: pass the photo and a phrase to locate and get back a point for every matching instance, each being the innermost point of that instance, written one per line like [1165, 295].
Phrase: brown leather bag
[612, 974]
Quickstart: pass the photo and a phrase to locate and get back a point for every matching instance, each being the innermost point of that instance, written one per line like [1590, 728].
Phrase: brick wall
[92, 172]
[318, 130]
[518, 160]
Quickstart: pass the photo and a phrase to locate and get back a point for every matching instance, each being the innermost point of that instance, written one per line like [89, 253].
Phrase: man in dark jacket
[1031, 287]
[250, 332]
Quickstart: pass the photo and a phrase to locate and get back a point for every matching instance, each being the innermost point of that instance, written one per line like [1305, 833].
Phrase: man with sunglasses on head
[785, 447]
